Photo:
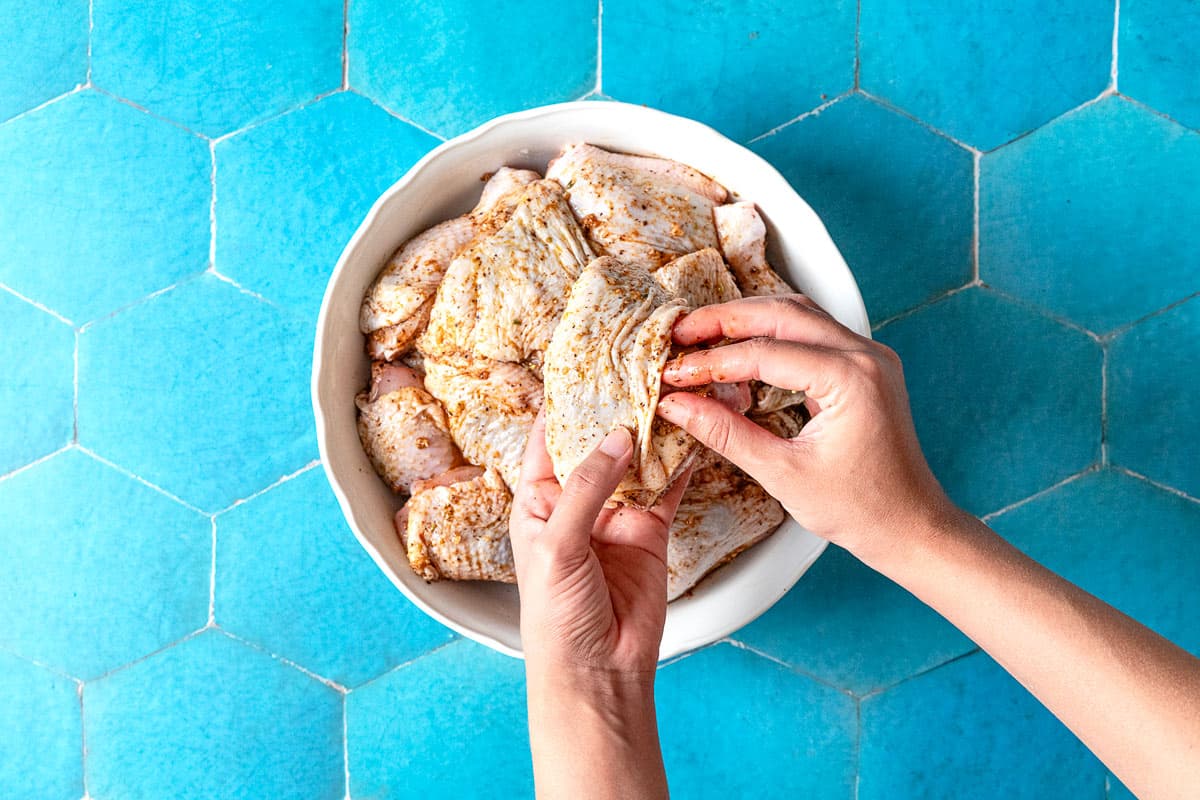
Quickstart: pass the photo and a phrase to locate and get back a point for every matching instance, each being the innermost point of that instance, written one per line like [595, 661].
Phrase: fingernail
[667, 409]
[617, 443]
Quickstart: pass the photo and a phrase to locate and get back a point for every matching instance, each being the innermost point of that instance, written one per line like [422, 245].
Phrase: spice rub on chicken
[575, 279]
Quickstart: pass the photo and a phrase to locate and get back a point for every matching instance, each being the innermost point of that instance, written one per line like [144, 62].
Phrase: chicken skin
[743, 236]
[700, 278]
[648, 210]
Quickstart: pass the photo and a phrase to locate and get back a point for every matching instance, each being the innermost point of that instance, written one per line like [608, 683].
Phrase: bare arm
[856, 476]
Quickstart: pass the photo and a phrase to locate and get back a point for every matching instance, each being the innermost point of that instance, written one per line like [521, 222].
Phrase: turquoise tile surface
[216, 719]
[45, 762]
[46, 54]
[986, 72]
[970, 730]
[1006, 402]
[166, 232]
[1131, 544]
[292, 578]
[451, 724]
[98, 569]
[897, 198]
[37, 354]
[1108, 238]
[1153, 405]
[737, 66]
[215, 67]
[293, 190]
[202, 390]
[851, 627]
[1158, 58]
[734, 725]
[450, 66]
[82, 168]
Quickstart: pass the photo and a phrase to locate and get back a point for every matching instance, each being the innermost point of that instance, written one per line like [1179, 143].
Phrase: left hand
[593, 580]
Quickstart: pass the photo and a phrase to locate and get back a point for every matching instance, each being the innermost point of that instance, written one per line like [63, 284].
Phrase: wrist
[910, 535]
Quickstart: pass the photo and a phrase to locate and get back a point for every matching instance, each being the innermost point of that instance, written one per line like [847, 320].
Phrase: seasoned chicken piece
[722, 513]
[396, 308]
[456, 527]
[403, 428]
[700, 278]
[502, 296]
[491, 406]
[603, 369]
[743, 238]
[637, 208]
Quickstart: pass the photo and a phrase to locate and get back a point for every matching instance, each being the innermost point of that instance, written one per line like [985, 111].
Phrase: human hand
[855, 474]
[593, 580]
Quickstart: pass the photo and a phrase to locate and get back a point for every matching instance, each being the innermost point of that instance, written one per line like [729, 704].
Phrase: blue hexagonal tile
[454, 719]
[217, 67]
[733, 723]
[330, 161]
[102, 205]
[125, 571]
[1158, 59]
[201, 391]
[1006, 402]
[213, 718]
[445, 67]
[1153, 406]
[1090, 216]
[41, 743]
[850, 626]
[292, 578]
[43, 56]
[37, 394]
[986, 72]
[734, 65]
[1132, 545]
[897, 198]
[969, 730]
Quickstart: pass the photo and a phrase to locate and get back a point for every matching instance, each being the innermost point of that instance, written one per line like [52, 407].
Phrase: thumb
[586, 489]
[755, 450]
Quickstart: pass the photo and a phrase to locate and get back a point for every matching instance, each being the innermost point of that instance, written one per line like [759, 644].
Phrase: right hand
[855, 474]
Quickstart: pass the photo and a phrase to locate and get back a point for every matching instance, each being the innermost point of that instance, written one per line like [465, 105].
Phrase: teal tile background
[1013, 184]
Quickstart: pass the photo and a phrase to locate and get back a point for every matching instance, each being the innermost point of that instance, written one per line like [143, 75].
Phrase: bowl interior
[446, 183]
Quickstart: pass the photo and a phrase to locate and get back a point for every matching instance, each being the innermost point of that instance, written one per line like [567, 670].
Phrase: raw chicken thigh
[396, 307]
[647, 210]
[456, 527]
[700, 278]
[403, 428]
[604, 369]
[743, 238]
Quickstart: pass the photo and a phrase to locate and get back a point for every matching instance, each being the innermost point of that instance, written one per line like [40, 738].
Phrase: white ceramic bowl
[446, 183]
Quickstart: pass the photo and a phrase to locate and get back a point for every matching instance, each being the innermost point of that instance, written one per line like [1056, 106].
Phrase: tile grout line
[1158, 485]
[226, 279]
[110, 314]
[212, 206]
[977, 158]
[91, 34]
[149, 113]
[332, 684]
[1104, 93]
[151, 654]
[278, 482]
[37, 305]
[92, 454]
[922, 673]
[884, 103]
[1104, 358]
[1123, 329]
[991, 515]
[34, 463]
[1112, 74]
[1155, 111]
[599, 46]
[925, 304]
[81, 87]
[53, 670]
[1044, 312]
[83, 756]
[789, 667]
[400, 117]
[346, 741]
[858, 736]
[405, 664]
[212, 575]
[345, 45]
[810, 113]
[75, 392]
[858, 46]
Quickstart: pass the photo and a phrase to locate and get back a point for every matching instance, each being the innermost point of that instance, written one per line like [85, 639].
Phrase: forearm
[1130, 695]
[593, 736]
